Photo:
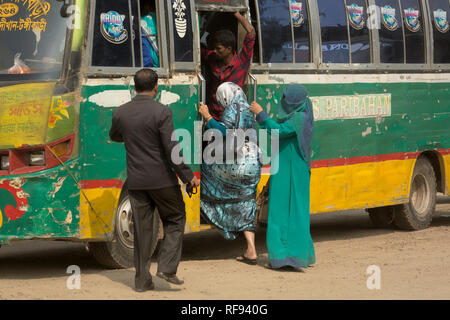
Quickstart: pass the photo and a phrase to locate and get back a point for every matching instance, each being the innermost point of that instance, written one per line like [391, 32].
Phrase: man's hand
[195, 182]
[255, 107]
[204, 111]
[237, 14]
[247, 25]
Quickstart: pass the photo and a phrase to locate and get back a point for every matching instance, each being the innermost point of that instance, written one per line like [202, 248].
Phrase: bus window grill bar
[403, 31]
[203, 87]
[140, 32]
[133, 58]
[258, 21]
[348, 34]
[292, 32]
[255, 85]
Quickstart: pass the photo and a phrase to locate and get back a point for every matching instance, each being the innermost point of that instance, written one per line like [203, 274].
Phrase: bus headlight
[37, 158]
[4, 164]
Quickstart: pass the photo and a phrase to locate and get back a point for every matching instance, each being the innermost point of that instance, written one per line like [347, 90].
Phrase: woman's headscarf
[231, 97]
[296, 107]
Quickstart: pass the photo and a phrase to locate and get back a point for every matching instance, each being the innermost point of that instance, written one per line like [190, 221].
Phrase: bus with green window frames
[377, 72]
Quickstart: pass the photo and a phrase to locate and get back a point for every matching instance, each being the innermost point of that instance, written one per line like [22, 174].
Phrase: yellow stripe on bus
[97, 224]
[362, 185]
[337, 188]
[447, 173]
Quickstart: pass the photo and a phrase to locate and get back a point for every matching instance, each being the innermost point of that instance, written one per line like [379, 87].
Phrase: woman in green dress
[289, 240]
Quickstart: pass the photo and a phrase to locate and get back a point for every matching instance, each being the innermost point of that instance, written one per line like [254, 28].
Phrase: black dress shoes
[172, 278]
[146, 287]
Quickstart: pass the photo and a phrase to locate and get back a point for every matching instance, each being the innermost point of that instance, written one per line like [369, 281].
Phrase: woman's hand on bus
[204, 111]
[195, 182]
[255, 107]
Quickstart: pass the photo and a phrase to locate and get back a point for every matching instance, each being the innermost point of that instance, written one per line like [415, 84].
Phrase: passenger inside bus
[221, 62]
[150, 50]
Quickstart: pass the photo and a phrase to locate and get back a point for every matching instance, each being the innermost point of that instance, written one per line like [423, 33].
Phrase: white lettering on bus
[351, 107]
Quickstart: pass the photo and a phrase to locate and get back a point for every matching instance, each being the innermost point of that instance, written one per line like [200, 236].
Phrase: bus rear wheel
[119, 253]
[418, 212]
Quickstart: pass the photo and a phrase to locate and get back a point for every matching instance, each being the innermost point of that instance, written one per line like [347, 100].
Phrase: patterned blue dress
[228, 191]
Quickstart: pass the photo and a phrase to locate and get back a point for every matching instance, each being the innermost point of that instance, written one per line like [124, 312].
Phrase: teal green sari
[289, 241]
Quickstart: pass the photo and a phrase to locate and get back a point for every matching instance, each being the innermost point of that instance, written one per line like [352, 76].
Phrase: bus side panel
[363, 153]
[43, 205]
[183, 100]
[104, 161]
[38, 202]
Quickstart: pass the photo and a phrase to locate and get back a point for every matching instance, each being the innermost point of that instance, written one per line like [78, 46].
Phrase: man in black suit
[146, 127]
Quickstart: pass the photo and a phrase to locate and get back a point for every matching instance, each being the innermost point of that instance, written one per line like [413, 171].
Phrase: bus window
[414, 31]
[333, 24]
[183, 37]
[149, 23]
[112, 44]
[359, 32]
[391, 32]
[300, 23]
[440, 15]
[276, 32]
[32, 42]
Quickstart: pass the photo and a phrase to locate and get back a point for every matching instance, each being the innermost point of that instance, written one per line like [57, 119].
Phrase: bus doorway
[228, 188]
[210, 22]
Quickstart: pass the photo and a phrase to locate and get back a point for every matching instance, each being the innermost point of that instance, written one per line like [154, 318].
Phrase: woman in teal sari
[289, 240]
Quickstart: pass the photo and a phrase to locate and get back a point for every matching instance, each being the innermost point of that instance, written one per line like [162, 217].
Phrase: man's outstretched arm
[245, 23]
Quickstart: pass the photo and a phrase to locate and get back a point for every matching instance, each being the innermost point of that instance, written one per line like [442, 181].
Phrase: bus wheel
[119, 253]
[418, 212]
[382, 217]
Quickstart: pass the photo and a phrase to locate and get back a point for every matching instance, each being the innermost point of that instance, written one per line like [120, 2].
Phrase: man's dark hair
[145, 80]
[147, 6]
[225, 38]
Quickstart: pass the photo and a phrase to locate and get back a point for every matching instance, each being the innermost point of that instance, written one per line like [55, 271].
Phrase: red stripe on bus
[364, 159]
[95, 184]
[367, 159]
[116, 183]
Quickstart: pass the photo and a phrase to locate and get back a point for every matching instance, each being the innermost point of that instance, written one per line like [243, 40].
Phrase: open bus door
[214, 16]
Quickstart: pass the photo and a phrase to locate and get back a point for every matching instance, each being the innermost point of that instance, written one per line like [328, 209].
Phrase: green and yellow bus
[377, 71]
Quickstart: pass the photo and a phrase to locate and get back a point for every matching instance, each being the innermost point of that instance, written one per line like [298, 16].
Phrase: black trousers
[171, 208]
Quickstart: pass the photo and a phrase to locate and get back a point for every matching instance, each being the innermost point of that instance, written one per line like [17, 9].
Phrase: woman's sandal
[246, 260]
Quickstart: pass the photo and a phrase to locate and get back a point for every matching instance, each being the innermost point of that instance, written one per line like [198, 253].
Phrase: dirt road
[412, 265]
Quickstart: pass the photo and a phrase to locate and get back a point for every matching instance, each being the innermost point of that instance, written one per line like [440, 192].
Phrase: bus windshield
[32, 40]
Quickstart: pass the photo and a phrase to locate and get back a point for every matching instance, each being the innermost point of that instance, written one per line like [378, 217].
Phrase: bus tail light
[61, 149]
[29, 159]
[37, 158]
[4, 165]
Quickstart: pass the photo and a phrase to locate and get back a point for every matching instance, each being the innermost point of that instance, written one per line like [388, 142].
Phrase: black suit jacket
[146, 127]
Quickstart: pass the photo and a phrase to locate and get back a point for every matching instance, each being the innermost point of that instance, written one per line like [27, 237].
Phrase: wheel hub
[125, 228]
[420, 199]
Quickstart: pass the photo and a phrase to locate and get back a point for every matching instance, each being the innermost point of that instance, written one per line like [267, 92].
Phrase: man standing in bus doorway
[225, 65]
[146, 128]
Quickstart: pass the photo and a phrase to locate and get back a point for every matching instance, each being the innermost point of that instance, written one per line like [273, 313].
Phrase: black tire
[418, 212]
[382, 217]
[119, 253]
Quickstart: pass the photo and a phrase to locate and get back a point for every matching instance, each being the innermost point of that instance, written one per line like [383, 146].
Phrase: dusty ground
[413, 265]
